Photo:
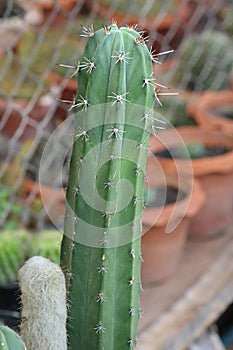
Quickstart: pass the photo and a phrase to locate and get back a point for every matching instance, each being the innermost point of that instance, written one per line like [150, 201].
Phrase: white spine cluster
[43, 298]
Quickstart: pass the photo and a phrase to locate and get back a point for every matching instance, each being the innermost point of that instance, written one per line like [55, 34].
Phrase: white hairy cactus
[43, 298]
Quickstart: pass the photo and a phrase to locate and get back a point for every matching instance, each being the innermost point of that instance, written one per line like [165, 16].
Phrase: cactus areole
[100, 254]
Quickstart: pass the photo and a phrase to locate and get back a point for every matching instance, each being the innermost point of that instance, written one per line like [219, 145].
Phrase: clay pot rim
[186, 207]
[44, 191]
[208, 100]
[213, 98]
[203, 166]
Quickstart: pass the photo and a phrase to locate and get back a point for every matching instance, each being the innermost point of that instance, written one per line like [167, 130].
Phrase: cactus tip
[107, 29]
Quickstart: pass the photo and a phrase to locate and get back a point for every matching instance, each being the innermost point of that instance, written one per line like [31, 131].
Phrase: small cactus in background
[14, 248]
[199, 56]
[43, 298]
[101, 254]
[9, 340]
[47, 244]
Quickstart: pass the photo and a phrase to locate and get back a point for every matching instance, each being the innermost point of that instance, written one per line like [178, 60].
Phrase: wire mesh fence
[40, 46]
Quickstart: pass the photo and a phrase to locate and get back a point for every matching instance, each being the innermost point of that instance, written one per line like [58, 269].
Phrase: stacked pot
[205, 211]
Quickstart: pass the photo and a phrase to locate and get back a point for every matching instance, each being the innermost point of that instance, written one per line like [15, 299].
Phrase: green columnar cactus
[100, 253]
[13, 248]
[9, 340]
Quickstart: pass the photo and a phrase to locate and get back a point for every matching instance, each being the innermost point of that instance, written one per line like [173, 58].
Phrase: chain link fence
[40, 45]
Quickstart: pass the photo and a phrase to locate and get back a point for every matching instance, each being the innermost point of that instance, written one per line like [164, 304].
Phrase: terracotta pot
[207, 112]
[167, 229]
[53, 199]
[57, 12]
[197, 13]
[169, 30]
[214, 173]
[20, 119]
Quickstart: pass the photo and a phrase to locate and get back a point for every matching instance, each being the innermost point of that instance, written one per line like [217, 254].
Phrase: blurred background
[41, 42]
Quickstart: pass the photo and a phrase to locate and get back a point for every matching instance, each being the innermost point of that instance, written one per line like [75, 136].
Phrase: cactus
[100, 253]
[13, 247]
[9, 340]
[43, 298]
[199, 56]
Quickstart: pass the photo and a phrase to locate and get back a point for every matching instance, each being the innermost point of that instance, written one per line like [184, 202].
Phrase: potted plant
[100, 250]
[189, 71]
[171, 203]
[214, 111]
[211, 155]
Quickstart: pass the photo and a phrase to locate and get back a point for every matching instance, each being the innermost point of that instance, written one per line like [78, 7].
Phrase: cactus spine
[100, 253]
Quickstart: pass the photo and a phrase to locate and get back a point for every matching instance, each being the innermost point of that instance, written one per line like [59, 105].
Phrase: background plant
[47, 243]
[11, 211]
[198, 57]
[14, 247]
[19, 245]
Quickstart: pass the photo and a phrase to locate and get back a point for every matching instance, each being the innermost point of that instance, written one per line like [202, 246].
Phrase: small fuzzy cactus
[101, 253]
[9, 340]
[43, 298]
